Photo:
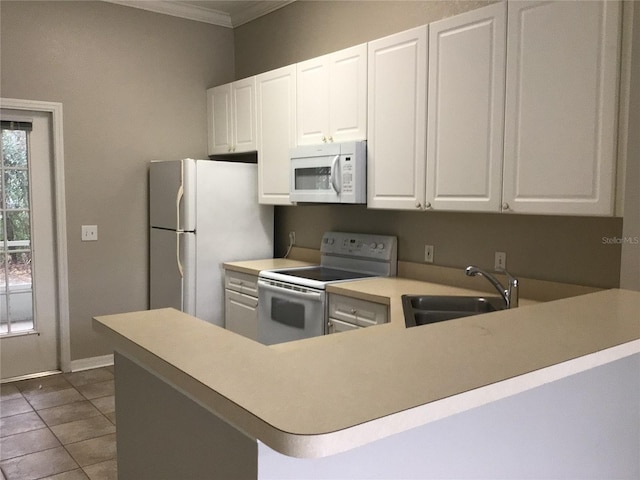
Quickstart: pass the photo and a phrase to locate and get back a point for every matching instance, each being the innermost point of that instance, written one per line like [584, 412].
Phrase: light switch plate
[89, 233]
[500, 262]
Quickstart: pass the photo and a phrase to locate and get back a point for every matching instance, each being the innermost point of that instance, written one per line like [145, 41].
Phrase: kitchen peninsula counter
[381, 380]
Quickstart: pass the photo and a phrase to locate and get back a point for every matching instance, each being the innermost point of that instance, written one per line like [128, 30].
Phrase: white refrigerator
[202, 213]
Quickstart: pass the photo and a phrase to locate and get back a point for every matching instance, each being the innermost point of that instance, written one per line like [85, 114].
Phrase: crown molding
[258, 9]
[178, 9]
[206, 15]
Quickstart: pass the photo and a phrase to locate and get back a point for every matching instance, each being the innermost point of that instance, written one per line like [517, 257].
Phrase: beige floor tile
[51, 383]
[38, 465]
[96, 390]
[24, 422]
[9, 391]
[103, 471]
[79, 430]
[95, 450]
[105, 404]
[68, 413]
[111, 416]
[53, 399]
[27, 442]
[76, 474]
[89, 376]
[14, 406]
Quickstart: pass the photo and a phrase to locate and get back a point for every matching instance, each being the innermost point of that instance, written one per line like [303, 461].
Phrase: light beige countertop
[253, 267]
[324, 395]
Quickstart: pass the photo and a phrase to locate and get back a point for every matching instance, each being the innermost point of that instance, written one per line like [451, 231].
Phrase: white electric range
[292, 303]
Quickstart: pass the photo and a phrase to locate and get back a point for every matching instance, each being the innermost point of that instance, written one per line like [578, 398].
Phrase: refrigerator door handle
[178, 261]
[179, 196]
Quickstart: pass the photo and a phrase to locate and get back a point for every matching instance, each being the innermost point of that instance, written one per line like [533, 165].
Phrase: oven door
[285, 315]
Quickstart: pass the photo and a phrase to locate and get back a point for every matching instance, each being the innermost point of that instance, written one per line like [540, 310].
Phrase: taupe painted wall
[133, 88]
[566, 249]
[309, 28]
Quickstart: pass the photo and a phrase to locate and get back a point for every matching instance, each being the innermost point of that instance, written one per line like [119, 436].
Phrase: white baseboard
[92, 362]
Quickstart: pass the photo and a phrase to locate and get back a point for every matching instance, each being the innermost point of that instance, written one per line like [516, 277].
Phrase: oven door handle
[293, 293]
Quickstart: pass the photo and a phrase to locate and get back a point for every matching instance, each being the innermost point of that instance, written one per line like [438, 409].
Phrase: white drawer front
[241, 282]
[356, 311]
[337, 326]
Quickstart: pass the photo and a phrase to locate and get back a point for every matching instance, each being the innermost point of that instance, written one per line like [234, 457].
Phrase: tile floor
[59, 427]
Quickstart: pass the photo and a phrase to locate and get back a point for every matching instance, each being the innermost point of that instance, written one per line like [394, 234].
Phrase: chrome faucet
[509, 294]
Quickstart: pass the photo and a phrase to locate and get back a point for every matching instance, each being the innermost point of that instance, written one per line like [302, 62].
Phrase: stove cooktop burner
[324, 274]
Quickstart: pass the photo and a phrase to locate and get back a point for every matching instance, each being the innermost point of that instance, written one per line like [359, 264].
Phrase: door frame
[62, 271]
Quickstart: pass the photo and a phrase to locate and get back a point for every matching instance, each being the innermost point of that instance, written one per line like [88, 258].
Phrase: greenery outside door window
[16, 276]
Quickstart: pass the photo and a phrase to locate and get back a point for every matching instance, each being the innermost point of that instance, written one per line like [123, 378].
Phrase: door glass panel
[318, 178]
[16, 280]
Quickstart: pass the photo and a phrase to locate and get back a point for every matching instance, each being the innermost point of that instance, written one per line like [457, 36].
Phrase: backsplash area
[578, 250]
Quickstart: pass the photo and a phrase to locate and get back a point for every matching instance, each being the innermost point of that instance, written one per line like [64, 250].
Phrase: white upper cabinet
[276, 112]
[231, 113]
[332, 97]
[561, 107]
[396, 124]
[465, 118]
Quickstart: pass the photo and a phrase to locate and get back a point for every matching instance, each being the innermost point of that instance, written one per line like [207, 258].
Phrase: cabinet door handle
[505, 206]
[427, 206]
[418, 205]
[324, 139]
[330, 138]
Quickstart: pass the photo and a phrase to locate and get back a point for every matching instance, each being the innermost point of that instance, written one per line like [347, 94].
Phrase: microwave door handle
[334, 174]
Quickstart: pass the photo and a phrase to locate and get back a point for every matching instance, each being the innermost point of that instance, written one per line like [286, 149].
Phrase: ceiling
[230, 14]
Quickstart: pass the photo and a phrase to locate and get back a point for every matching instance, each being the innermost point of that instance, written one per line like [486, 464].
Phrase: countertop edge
[323, 444]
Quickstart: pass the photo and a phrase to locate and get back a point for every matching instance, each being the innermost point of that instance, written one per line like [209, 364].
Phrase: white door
[313, 101]
[243, 112]
[219, 121]
[28, 282]
[348, 94]
[171, 270]
[396, 125]
[276, 112]
[560, 136]
[465, 126]
[172, 195]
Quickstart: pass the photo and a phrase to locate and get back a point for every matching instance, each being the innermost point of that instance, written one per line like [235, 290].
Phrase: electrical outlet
[89, 233]
[500, 262]
[428, 253]
[292, 238]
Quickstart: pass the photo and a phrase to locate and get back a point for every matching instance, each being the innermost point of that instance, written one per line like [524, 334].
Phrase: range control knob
[381, 246]
[373, 246]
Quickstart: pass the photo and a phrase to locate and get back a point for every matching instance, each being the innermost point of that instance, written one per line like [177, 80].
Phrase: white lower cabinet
[241, 303]
[347, 313]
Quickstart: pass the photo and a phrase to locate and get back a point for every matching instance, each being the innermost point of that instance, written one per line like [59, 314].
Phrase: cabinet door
[396, 124]
[313, 101]
[219, 119]
[244, 115]
[348, 94]
[466, 110]
[562, 76]
[276, 114]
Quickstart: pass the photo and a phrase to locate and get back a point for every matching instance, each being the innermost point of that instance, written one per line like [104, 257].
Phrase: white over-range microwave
[329, 173]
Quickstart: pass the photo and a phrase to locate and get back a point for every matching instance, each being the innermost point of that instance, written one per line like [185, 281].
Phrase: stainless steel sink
[426, 309]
